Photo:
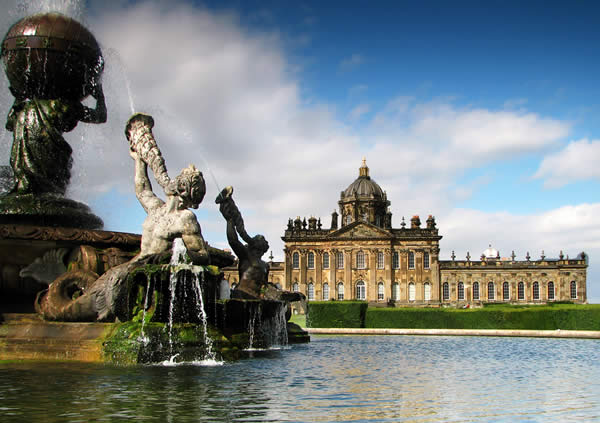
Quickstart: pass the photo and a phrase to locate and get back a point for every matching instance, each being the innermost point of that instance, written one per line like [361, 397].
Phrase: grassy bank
[501, 316]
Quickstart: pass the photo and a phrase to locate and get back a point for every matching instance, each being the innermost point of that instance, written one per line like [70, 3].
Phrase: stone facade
[363, 257]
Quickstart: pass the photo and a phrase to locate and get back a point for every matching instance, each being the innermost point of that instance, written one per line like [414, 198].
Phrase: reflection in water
[384, 379]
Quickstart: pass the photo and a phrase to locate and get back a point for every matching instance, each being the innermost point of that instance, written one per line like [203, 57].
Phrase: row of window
[506, 294]
[360, 260]
[361, 291]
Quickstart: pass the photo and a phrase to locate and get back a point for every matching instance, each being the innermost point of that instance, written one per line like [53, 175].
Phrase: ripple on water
[359, 379]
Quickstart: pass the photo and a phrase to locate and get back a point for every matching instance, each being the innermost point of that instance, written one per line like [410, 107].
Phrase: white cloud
[577, 161]
[351, 62]
[359, 111]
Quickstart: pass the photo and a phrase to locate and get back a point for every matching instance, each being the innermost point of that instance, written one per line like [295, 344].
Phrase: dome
[363, 186]
[491, 253]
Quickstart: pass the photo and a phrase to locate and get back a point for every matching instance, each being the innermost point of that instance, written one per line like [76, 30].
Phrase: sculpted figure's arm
[97, 115]
[232, 237]
[143, 187]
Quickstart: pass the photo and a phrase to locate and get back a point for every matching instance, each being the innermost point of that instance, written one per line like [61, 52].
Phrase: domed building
[361, 256]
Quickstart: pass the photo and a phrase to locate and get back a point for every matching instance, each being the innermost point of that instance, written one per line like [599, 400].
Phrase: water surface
[344, 378]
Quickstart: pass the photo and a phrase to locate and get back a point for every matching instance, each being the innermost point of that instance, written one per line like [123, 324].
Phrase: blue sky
[484, 114]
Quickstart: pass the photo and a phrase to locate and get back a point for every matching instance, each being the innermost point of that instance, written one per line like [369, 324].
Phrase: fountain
[135, 299]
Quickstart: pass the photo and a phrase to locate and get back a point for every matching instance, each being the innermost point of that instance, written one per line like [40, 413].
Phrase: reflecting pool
[344, 378]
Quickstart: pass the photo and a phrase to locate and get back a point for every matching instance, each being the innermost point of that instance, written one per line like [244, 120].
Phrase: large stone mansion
[362, 257]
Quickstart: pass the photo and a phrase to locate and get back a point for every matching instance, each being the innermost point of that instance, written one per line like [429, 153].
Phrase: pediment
[360, 230]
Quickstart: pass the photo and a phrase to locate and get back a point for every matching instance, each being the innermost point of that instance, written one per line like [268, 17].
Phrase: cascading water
[143, 338]
[179, 269]
[209, 355]
[252, 323]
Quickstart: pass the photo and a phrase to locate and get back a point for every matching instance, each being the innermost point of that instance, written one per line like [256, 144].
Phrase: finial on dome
[364, 169]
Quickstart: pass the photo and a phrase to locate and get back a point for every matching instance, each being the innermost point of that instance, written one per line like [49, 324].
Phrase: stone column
[303, 263]
[332, 276]
[287, 282]
[318, 274]
[389, 272]
[372, 272]
[348, 282]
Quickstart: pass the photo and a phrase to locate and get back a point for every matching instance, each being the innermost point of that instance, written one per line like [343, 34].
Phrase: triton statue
[107, 297]
[253, 272]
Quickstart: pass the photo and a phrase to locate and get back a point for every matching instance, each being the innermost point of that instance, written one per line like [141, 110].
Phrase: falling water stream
[178, 270]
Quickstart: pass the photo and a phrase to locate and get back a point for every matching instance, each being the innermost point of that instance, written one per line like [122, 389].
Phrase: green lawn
[299, 319]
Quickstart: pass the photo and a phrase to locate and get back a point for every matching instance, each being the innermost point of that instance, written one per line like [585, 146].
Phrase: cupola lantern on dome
[364, 200]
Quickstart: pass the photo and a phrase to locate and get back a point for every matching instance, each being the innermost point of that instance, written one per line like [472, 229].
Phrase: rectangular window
[296, 261]
[311, 260]
[380, 260]
[380, 292]
[360, 260]
[411, 260]
[325, 260]
[396, 260]
[425, 260]
[340, 260]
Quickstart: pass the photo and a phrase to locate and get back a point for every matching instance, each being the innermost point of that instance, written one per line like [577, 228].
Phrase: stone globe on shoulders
[50, 56]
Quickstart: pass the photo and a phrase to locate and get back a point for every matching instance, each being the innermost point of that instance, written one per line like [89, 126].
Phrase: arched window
[427, 291]
[340, 291]
[491, 291]
[295, 287]
[348, 219]
[505, 291]
[325, 291]
[380, 260]
[476, 291]
[380, 292]
[234, 286]
[551, 291]
[411, 291]
[395, 291]
[411, 260]
[425, 260]
[278, 285]
[311, 291]
[461, 291]
[573, 290]
[296, 260]
[360, 260]
[340, 260]
[396, 260]
[521, 291]
[536, 291]
[361, 291]
[446, 291]
[311, 260]
[325, 260]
